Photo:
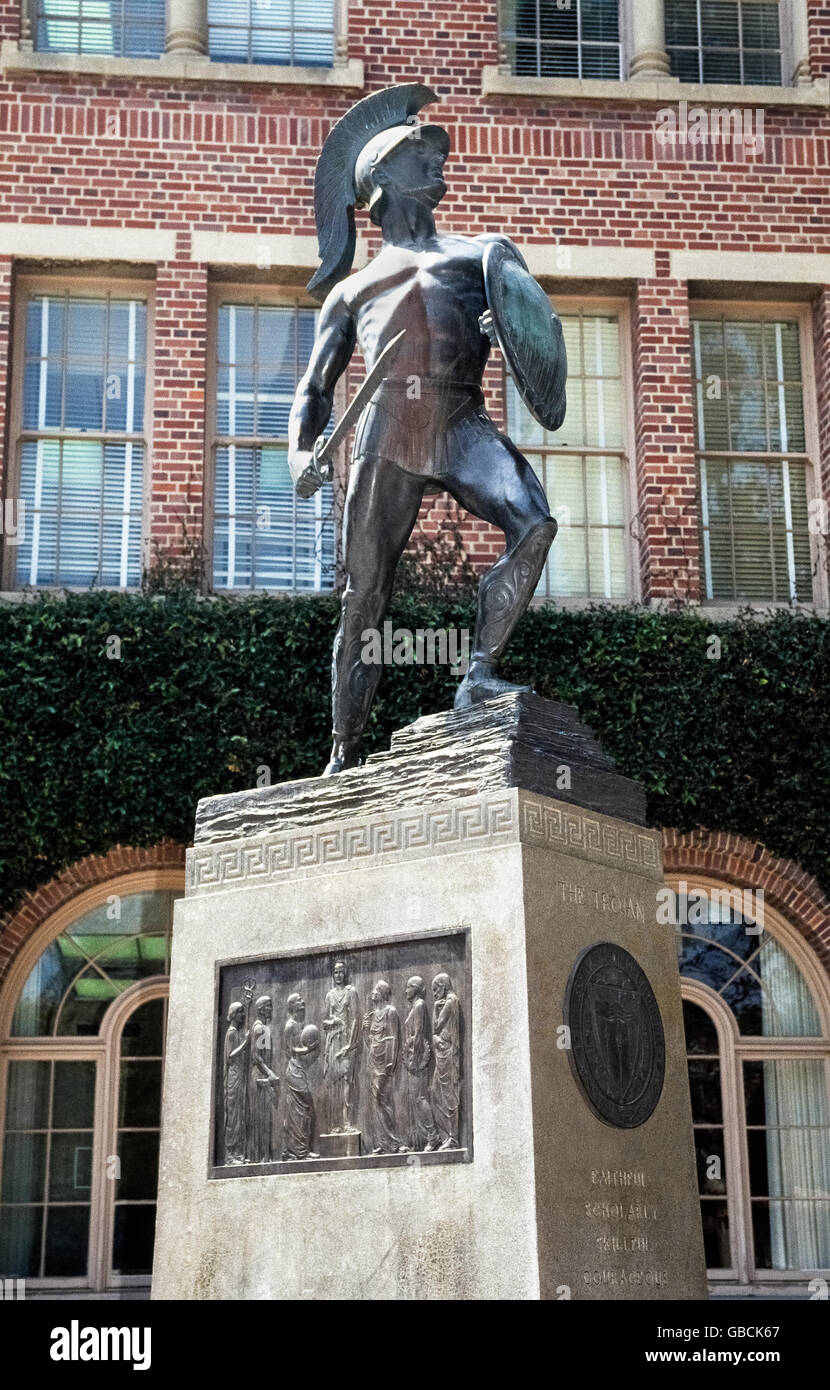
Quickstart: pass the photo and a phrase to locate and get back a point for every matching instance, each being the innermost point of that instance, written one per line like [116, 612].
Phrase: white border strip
[775, 267]
[86, 243]
[567, 262]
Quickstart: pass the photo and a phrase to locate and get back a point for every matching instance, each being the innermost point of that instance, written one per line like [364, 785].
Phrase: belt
[432, 383]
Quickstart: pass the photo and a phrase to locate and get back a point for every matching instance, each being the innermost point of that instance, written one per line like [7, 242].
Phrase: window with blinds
[265, 536]
[724, 40]
[124, 28]
[81, 446]
[582, 466]
[290, 32]
[752, 460]
[549, 38]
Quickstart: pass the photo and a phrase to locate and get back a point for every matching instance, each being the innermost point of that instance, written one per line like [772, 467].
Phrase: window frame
[79, 287]
[570, 303]
[337, 29]
[734, 1050]
[785, 27]
[280, 296]
[104, 1049]
[622, 43]
[802, 312]
[798, 87]
[34, 8]
[185, 55]
[112, 1030]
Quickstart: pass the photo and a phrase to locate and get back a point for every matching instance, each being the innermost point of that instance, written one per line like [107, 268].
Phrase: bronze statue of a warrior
[438, 301]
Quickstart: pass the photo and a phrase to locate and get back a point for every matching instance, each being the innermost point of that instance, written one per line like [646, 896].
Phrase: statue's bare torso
[436, 293]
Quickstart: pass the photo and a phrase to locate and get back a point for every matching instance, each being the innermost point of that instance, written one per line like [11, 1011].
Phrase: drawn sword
[324, 449]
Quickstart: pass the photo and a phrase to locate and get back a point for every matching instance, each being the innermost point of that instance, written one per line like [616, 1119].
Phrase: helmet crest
[335, 195]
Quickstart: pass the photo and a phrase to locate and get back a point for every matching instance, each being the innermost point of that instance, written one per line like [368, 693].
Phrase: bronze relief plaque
[343, 1058]
[617, 1048]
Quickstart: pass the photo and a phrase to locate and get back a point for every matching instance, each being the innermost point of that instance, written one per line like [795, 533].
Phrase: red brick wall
[818, 19]
[667, 524]
[238, 160]
[9, 21]
[242, 158]
[177, 492]
[441, 45]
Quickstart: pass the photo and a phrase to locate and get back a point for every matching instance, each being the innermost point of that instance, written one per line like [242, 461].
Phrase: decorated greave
[353, 681]
[506, 590]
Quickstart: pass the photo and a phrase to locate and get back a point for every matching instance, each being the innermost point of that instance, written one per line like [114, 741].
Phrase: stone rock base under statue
[572, 1173]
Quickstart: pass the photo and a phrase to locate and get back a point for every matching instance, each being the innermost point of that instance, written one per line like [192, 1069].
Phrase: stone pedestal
[497, 853]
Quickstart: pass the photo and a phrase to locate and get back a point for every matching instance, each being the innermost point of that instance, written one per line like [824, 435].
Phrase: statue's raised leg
[498, 484]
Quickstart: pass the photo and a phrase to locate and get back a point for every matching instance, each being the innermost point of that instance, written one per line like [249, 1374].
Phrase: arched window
[758, 1046]
[82, 1026]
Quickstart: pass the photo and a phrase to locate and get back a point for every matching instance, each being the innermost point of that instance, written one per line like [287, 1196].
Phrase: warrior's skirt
[424, 433]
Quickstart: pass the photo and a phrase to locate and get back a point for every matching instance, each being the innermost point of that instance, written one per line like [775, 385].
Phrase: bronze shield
[529, 333]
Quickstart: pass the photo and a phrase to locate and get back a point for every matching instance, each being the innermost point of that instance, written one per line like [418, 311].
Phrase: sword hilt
[326, 468]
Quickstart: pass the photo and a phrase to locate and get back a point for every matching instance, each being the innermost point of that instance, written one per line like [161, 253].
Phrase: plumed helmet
[368, 132]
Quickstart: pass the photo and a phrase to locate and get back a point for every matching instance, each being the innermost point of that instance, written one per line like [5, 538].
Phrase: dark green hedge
[97, 751]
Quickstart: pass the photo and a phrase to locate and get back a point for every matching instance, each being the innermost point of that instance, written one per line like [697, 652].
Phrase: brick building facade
[159, 190]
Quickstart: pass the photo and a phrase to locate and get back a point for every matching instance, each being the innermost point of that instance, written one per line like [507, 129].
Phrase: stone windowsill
[178, 66]
[718, 610]
[668, 90]
[32, 593]
[581, 603]
[760, 612]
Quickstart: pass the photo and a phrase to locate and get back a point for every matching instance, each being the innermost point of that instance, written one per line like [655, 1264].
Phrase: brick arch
[747, 864]
[36, 907]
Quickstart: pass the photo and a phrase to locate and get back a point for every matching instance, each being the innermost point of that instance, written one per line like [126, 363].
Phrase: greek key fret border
[613, 842]
[331, 845]
[423, 832]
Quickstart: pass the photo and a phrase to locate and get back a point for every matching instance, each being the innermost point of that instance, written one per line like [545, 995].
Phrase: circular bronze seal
[618, 1048]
